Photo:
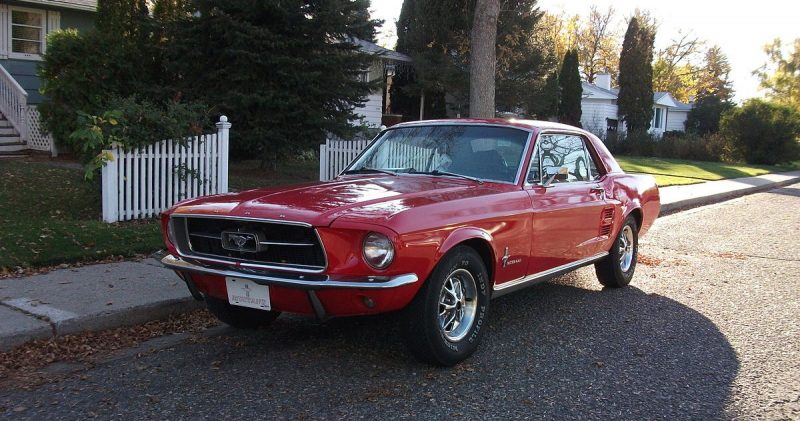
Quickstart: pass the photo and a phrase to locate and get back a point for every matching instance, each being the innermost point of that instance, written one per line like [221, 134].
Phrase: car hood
[364, 199]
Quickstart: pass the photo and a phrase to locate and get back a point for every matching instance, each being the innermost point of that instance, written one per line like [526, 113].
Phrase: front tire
[240, 317]
[445, 322]
[616, 269]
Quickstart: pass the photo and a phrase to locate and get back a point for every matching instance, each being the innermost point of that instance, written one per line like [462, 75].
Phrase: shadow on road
[554, 350]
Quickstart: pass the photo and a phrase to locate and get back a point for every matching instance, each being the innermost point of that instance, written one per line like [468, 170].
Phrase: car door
[568, 210]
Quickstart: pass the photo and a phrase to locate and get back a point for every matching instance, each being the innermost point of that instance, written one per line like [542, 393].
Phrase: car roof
[525, 124]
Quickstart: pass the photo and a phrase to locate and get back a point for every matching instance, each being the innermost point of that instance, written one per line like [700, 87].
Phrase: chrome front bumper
[308, 282]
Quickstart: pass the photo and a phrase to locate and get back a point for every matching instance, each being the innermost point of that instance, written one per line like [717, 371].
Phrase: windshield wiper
[369, 170]
[450, 174]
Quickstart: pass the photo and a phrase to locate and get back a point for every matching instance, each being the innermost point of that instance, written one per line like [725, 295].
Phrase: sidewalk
[116, 294]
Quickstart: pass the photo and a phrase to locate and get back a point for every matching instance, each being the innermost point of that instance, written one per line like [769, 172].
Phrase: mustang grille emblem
[240, 241]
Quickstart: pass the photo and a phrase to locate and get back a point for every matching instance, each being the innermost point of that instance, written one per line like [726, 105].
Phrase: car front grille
[274, 244]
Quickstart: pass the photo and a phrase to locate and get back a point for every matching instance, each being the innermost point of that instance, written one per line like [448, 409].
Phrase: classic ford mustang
[434, 219]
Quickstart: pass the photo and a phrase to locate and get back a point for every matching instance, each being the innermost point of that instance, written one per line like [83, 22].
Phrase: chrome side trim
[525, 281]
[293, 281]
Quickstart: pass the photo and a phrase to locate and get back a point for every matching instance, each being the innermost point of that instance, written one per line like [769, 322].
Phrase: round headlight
[378, 250]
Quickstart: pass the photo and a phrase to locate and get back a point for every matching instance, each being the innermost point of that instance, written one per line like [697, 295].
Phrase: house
[382, 70]
[24, 25]
[600, 114]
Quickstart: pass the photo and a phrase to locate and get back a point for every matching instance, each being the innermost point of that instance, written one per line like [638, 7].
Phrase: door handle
[598, 189]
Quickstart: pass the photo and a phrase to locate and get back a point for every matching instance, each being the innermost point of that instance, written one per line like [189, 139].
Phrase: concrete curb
[694, 202]
[102, 321]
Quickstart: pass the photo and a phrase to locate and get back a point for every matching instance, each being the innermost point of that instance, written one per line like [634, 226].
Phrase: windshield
[481, 152]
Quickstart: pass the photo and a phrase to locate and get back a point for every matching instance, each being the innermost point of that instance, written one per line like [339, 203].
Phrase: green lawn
[670, 172]
[50, 215]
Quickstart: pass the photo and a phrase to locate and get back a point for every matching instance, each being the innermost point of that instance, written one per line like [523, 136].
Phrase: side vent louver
[606, 221]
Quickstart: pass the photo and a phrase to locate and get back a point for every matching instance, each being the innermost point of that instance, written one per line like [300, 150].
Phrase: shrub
[763, 132]
[676, 145]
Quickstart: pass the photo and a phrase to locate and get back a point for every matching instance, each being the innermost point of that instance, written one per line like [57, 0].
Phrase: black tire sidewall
[624, 278]
[447, 352]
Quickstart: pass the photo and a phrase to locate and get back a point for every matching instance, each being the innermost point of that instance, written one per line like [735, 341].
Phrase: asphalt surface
[708, 329]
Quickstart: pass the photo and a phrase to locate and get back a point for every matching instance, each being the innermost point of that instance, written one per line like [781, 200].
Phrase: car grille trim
[304, 253]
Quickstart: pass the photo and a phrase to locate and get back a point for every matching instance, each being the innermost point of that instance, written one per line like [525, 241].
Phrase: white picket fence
[143, 182]
[336, 154]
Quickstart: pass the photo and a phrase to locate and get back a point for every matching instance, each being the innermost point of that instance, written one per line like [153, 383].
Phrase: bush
[763, 132]
[132, 123]
[676, 145]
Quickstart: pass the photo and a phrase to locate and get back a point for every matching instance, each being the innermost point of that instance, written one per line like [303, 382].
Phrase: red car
[434, 218]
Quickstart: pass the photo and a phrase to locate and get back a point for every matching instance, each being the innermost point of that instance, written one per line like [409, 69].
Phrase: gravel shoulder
[708, 329]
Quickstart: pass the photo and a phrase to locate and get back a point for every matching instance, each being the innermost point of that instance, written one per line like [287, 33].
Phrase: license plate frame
[246, 293]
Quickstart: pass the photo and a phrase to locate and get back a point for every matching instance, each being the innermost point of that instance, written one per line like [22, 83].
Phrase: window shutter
[4, 24]
[53, 24]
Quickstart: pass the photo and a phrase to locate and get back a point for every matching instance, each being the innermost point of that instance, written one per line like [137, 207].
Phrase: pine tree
[123, 18]
[714, 79]
[569, 80]
[635, 99]
[285, 72]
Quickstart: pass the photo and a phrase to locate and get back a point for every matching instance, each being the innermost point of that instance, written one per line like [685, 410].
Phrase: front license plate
[246, 293]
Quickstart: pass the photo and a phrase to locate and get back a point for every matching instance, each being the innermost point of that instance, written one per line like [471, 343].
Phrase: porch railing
[14, 103]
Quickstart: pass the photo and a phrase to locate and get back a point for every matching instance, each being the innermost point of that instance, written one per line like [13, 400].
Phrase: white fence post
[110, 187]
[222, 137]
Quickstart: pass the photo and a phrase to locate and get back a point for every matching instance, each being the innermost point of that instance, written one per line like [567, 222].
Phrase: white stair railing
[14, 103]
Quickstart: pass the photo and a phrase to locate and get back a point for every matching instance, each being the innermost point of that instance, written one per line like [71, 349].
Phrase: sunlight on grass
[670, 172]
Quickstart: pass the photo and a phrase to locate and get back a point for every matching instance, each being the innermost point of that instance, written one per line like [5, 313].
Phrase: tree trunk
[483, 59]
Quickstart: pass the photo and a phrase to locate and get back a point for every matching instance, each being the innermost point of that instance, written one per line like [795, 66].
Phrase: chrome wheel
[457, 305]
[625, 244]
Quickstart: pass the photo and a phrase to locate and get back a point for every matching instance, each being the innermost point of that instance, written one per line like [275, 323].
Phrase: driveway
[708, 329]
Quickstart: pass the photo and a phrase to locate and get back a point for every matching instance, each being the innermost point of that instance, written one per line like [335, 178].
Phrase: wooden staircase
[11, 143]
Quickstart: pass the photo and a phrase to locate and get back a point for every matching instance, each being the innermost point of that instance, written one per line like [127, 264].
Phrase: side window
[564, 151]
[534, 174]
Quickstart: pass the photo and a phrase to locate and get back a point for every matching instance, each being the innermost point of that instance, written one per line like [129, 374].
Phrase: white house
[600, 114]
[383, 69]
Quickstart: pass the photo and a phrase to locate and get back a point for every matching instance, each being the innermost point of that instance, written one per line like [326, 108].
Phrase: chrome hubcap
[625, 244]
[458, 305]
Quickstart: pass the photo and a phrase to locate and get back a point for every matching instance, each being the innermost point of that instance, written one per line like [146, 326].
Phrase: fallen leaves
[22, 362]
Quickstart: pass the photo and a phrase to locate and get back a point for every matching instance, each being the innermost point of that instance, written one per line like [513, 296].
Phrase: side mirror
[555, 173]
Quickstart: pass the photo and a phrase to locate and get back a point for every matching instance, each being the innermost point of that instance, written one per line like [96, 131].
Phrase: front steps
[10, 140]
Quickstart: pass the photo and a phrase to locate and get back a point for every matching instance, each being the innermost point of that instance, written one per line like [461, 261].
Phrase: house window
[27, 32]
[657, 119]
[363, 76]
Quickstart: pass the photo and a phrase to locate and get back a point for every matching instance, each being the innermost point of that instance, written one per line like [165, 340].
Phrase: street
[708, 329]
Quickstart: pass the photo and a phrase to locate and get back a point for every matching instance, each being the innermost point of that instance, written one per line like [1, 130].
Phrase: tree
[780, 76]
[705, 115]
[569, 80]
[598, 44]
[286, 71]
[635, 99]
[674, 70]
[763, 132]
[483, 59]
[124, 18]
[714, 78]
[436, 34]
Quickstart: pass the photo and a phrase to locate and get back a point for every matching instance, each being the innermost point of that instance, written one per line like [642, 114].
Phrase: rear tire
[616, 269]
[445, 322]
[240, 317]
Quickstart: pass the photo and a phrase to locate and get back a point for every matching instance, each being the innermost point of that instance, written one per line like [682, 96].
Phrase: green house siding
[24, 71]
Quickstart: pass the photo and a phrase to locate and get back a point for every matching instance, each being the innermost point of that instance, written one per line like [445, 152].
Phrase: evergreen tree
[123, 18]
[705, 115]
[435, 33]
[714, 79]
[569, 80]
[286, 72]
[635, 99]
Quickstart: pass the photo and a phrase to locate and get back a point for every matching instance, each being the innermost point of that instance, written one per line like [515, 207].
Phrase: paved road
[708, 329]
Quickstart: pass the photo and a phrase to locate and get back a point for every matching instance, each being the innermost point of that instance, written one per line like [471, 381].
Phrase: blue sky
[740, 28]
